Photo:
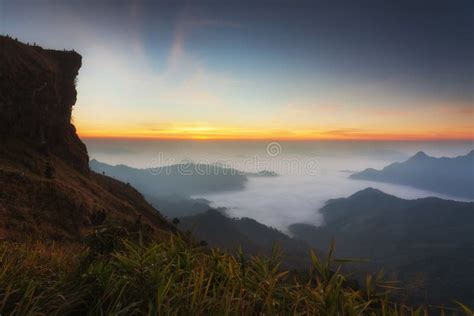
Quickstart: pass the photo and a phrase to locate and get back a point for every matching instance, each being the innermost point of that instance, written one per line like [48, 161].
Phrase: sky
[379, 70]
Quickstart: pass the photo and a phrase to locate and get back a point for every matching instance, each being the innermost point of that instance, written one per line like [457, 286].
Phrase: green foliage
[124, 275]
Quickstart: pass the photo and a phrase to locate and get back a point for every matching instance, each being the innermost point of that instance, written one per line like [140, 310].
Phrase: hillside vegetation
[122, 274]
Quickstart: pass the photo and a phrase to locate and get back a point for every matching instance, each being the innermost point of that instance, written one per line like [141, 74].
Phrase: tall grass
[130, 277]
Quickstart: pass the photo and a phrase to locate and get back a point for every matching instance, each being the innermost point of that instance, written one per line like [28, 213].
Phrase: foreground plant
[130, 277]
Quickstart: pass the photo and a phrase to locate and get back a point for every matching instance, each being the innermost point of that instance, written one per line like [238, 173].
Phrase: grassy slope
[38, 207]
[172, 277]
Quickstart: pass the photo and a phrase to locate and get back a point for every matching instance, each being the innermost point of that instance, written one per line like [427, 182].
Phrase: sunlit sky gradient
[276, 69]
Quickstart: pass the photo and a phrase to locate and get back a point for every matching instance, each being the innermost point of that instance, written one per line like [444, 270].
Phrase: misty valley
[411, 230]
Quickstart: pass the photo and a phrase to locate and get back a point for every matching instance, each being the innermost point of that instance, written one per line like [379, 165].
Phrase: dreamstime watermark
[271, 163]
[274, 149]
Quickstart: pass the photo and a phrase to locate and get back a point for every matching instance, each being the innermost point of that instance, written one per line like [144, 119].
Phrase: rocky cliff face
[46, 188]
[36, 98]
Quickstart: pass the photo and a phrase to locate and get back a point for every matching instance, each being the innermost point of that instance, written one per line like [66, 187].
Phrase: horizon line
[279, 138]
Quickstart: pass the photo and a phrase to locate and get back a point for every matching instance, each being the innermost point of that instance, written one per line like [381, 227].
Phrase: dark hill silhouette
[426, 243]
[47, 190]
[452, 176]
[227, 233]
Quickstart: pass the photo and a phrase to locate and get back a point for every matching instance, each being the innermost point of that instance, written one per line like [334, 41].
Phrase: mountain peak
[448, 175]
[368, 192]
[420, 155]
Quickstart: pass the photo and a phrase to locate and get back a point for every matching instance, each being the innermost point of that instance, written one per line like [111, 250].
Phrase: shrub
[171, 277]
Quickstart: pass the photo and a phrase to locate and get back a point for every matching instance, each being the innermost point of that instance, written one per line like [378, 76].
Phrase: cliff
[47, 190]
[36, 98]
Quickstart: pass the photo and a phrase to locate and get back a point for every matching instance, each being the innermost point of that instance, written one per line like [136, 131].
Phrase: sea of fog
[310, 173]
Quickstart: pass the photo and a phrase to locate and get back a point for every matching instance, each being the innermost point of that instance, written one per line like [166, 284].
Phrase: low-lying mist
[309, 173]
[288, 199]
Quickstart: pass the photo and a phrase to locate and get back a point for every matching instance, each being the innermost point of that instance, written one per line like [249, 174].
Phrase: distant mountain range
[183, 179]
[263, 173]
[169, 188]
[426, 243]
[451, 176]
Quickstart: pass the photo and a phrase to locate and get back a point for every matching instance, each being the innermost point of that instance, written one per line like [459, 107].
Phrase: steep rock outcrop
[36, 98]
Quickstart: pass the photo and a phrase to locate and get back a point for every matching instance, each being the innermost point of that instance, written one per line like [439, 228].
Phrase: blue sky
[268, 69]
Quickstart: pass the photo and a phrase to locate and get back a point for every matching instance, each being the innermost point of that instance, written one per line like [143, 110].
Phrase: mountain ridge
[184, 179]
[221, 231]
[425, 239]
[451, 176]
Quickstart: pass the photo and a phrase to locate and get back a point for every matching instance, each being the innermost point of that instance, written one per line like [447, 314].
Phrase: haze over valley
[305, 195]
[309, 173]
